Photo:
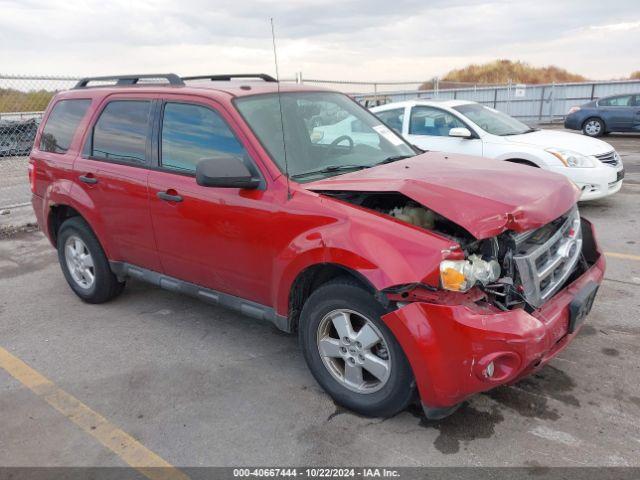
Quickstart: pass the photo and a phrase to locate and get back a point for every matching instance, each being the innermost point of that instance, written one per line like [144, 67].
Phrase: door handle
[169, 197]
[88, 178]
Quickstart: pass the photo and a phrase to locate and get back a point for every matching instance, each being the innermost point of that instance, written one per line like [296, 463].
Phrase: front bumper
[450, 346]
[594, 183]
[572, 122]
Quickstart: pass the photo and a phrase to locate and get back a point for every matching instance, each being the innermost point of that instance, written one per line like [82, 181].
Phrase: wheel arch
[60, 212]
[56, 216]
[522, 161]
[594, 117]
[312, 277]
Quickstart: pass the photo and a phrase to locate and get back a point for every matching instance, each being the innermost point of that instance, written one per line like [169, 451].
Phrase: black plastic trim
[128, 80]
[226, 77]
[247, 307]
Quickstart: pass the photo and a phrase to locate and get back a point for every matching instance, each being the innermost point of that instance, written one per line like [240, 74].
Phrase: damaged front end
[506, 271]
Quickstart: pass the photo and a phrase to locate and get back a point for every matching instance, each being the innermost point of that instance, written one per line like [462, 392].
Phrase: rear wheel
[593, 127]
[84, 263]
[351, 352]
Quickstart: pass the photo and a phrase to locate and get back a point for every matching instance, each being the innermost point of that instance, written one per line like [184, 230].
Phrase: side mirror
[460, 132]
[224, 172]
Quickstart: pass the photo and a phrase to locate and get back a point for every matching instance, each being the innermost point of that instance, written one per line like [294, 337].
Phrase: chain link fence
[23, 100]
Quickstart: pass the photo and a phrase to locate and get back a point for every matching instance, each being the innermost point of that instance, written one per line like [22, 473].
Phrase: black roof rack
[226, 77]
[120, 80]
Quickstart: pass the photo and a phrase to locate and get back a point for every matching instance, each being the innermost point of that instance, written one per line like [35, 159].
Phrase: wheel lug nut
[358, 344]
[361, 357]
[346, 340]
[343, 350]
[352, 360]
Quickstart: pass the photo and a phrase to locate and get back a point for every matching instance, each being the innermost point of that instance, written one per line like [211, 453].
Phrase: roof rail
[226, 77]
[120, 80]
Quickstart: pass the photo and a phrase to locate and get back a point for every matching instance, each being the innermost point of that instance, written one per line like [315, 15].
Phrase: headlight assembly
[572, 159]
[461, 275]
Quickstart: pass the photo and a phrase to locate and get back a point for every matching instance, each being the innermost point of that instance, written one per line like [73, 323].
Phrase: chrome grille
[610, 158]
[546, 257]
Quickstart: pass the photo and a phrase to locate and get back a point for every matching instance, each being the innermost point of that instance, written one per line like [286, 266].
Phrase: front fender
[383, 251]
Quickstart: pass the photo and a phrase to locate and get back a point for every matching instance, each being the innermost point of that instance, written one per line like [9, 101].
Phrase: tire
[377, 396]
[84, 263]
[593, 127]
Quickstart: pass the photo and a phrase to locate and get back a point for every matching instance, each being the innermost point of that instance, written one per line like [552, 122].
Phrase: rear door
[618, 112]
[429, 129]
[112, 174]
[214, 237]
[636, 116]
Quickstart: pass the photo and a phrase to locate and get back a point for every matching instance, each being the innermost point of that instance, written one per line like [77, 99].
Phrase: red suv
[399, 271]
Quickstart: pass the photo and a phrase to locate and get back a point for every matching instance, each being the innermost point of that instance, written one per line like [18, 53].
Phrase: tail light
[32, 177]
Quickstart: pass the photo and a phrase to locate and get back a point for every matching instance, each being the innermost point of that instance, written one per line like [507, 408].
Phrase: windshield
[326, 133]
[493, 121]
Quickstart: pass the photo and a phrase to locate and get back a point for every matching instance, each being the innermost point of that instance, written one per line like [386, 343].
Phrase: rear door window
[121, 132]
[432, 121]
[193, 132]
[622, 101]
[393, 118]
[62, 124]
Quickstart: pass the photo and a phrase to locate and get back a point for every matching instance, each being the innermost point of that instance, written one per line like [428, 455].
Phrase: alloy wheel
[79, 262]
[354, 351]
[592, 127]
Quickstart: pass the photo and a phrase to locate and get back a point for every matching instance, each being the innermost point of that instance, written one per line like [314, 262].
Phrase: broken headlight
[461, 275]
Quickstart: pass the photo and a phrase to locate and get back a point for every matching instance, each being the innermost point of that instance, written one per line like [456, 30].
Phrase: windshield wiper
[330, 169]
[393, 158]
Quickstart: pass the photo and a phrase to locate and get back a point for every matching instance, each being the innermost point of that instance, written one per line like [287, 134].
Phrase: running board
[247, 307]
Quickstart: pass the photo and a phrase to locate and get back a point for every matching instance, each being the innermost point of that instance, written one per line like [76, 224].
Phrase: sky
[382, 40]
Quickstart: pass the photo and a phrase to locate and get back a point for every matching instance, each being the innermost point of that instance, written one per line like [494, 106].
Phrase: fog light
[488, 372]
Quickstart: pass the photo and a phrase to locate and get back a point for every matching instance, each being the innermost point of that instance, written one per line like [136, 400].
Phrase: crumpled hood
[565, 140]
[484, 196]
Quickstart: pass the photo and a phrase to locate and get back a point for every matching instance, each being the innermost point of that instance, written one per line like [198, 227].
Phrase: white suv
[460, 126]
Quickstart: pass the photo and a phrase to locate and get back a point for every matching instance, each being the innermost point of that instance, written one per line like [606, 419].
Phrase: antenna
[284, 143]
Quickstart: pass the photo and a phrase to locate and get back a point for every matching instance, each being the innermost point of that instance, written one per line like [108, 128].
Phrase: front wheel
[351, 352]
[593, 127]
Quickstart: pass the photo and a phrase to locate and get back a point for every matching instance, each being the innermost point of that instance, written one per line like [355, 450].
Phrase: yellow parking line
[119, 442]
[626, 256]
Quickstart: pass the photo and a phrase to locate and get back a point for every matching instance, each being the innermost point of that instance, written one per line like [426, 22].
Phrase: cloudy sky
[341, 39]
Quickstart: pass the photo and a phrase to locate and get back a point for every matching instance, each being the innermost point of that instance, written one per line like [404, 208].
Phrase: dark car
[619, 113]
[16, 137]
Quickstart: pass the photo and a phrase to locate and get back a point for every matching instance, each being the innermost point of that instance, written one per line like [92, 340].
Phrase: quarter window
[62, 124]
[432, 121]
[393, 118]
[191, 133]
[121, 132]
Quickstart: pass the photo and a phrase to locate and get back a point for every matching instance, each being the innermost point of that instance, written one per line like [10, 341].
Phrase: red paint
[484, 196]
[444, 343]
[255, 243]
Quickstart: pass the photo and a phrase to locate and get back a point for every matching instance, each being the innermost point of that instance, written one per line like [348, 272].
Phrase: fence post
[593, 90]
[544, 87]
[495, 97]
[552, 102]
